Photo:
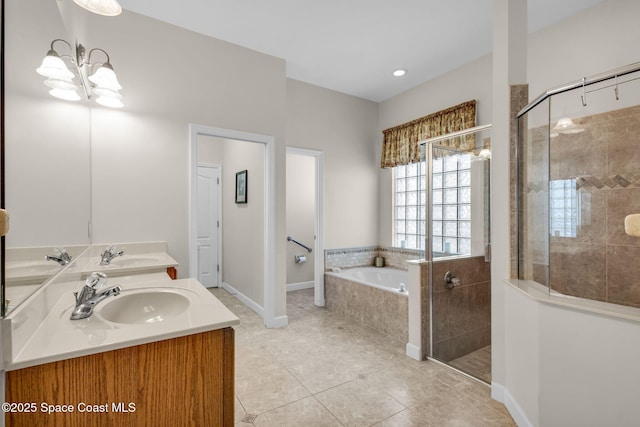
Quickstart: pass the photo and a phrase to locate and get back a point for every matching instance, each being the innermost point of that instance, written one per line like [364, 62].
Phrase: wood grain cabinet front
[185, 381]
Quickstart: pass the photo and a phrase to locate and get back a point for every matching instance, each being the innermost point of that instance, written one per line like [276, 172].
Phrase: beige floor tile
[318, 375]
[357, 404]
[406, 418]
[357, 375]
[307, 412]
[268, 391]
[407, 385]
[455, 409]
[253, 364]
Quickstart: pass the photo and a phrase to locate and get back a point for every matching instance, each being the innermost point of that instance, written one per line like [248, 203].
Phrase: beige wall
[171, 78]
[344, 128]
[243, 224]
[301, 214]
[46, 140]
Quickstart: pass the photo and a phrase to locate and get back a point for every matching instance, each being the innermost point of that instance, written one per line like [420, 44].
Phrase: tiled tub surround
[600, 261]
[365, 256]
[384, 310]
[462, 315]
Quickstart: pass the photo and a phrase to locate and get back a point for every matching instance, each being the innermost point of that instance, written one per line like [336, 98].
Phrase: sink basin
[31, 268]
[144, 307]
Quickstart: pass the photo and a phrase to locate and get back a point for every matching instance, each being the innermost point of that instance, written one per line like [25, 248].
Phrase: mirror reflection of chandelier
[101, 83]
[565, 126]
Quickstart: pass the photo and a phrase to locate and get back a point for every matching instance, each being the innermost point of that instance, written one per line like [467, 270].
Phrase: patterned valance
[400, 144]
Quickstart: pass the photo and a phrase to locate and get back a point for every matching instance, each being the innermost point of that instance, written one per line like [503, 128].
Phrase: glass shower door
[458, 172]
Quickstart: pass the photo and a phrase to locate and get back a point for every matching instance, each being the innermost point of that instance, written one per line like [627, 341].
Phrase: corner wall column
[509, 68]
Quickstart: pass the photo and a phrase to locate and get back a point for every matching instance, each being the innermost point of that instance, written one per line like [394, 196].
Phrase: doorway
[304, 224]
[458, 171]
[258, 293]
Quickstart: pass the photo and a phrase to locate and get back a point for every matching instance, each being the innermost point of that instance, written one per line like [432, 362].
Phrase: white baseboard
[299, 286]
[501, 394]
[497, 392]
[245, 299]
[414, 352]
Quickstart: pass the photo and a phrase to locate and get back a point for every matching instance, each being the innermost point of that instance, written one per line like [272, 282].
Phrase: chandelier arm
[63, 41]
[101, 50]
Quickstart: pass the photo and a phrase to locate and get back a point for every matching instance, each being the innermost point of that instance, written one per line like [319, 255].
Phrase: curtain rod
[455, 134]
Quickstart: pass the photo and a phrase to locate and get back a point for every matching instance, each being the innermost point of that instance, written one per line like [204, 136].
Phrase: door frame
[269, 250]
[318, 244]
[217, 166]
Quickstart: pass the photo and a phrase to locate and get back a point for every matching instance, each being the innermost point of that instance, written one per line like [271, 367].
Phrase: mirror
[47, 154]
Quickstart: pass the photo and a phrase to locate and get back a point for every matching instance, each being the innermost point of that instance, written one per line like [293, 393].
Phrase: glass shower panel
[578, 163]
[458, 230]
[593, 185]
[533, 190]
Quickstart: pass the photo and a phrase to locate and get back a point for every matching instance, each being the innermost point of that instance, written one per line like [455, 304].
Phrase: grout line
[328, 410]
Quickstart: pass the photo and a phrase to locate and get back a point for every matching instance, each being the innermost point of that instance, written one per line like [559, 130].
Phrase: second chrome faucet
[61, 256]
[109, 254]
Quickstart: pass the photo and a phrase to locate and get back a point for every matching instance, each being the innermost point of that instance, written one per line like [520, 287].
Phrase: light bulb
[101, 7]
[67, 95]
[109, 102]
[54, 67]
[105, 77]
[64, 84]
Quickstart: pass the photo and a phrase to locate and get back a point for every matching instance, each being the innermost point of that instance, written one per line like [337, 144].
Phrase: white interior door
[208, 224]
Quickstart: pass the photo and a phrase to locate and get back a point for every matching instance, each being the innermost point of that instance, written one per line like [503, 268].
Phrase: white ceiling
[352, 46]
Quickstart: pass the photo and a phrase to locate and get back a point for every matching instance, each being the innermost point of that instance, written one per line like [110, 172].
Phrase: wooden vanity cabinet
[185, 381]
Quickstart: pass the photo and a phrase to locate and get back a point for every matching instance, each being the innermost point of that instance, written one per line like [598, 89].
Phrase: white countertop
[131, 263]
[59, 338]
[37, 270]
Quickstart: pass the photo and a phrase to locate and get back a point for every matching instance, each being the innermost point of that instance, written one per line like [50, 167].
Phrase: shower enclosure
[457, 172]
[578, 174]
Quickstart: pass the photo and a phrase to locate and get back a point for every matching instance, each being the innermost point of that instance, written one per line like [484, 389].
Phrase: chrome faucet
[109, 254]
[91, 295]
[62, 257]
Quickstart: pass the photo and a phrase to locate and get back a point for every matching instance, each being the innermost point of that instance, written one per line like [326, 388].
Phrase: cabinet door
[181, 381]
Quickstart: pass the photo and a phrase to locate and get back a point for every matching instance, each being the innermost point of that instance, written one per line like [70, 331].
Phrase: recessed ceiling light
[400, 72]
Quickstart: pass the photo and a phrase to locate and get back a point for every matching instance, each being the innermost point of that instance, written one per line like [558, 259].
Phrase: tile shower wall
[519, 99]
[462, 315]
[364, 256]
[598, 260]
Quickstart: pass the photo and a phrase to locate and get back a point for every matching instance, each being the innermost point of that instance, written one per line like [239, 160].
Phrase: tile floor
[476, 363]
[323, 370]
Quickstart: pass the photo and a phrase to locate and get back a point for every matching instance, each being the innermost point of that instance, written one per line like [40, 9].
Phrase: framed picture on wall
[241, 187]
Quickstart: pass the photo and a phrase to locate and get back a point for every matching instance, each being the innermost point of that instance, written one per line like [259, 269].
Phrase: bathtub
[371, 296]
[387, 279]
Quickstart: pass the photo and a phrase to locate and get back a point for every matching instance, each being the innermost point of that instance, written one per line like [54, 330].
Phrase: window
[563, 207]
[409, 206]
[451, 216]
[452, 204]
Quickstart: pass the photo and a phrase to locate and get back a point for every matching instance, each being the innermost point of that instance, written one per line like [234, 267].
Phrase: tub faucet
[62, 257]
[91, 295]
[110, 254]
